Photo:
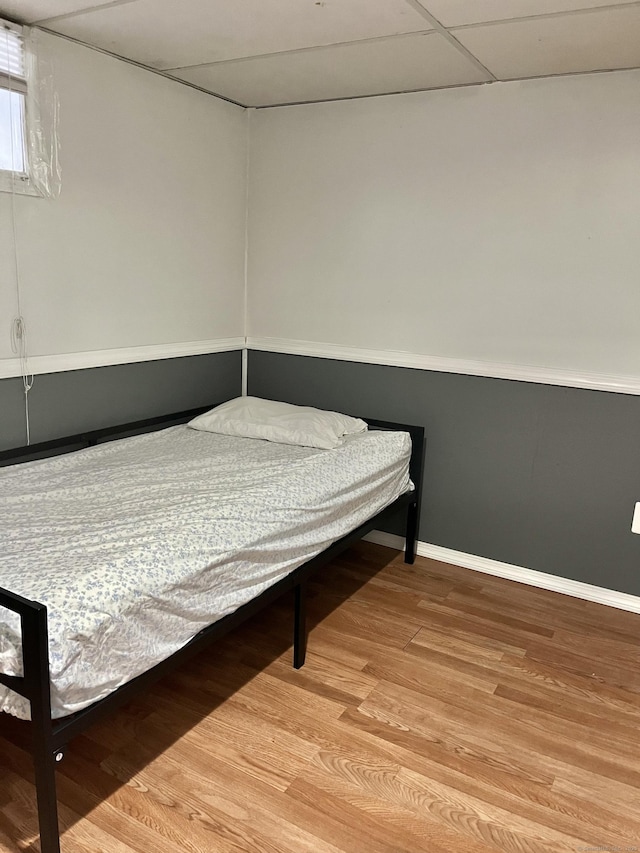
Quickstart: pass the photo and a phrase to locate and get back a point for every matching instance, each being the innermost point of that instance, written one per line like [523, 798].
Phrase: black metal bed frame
[50, 736]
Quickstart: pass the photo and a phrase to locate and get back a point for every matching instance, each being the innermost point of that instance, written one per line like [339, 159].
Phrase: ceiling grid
[261, 53]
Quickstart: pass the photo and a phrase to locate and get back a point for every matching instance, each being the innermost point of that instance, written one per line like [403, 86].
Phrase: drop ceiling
[269, 52]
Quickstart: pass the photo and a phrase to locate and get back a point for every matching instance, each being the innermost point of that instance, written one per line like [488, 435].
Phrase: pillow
[252, 417]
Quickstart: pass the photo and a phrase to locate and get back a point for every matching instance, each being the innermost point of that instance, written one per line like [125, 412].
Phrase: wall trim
[577, 589]
[10, 367]
[419, 361]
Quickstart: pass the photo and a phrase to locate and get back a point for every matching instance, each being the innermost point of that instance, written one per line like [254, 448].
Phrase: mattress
[136, 545]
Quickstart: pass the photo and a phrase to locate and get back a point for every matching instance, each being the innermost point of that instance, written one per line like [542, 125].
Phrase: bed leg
[411, 537]
[45, 772]
[300, 626]
[35, 654]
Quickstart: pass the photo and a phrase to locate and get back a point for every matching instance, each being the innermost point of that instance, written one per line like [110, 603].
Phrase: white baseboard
[577, 589]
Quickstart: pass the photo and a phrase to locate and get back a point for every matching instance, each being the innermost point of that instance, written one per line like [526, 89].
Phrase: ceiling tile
[166, 34]
[28, 11]
[453, 13]
[590, 41]
[404, 63]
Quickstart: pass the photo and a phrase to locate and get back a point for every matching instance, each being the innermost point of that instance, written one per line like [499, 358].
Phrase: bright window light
[12, 148]
[13, 89]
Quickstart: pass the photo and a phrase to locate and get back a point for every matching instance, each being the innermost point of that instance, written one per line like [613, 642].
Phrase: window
[13, 92]
[28, 115]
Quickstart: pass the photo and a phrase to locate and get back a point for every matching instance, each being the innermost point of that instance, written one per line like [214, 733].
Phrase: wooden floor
[439, 710]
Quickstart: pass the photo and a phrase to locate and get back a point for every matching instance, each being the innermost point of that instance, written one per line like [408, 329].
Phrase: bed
[159, 542]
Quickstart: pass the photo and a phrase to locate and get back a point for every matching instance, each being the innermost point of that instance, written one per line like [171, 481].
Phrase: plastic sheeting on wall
[43, 111]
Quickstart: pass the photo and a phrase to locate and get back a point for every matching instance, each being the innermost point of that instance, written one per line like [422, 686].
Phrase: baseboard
[577, 589]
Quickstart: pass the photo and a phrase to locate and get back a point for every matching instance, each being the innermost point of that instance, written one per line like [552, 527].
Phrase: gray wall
[67, 403]
[534, 475]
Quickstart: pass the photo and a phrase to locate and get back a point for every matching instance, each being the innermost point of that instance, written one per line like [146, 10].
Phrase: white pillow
[252, 417]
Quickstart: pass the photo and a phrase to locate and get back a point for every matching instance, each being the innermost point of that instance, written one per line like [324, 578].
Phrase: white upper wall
[145, 245]
[496, 223]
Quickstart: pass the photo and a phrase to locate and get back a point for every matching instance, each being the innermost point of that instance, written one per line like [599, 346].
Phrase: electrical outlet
[635, 524]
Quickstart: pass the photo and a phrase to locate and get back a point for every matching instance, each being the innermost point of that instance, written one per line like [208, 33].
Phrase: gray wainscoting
[66, 403]
[538, 476]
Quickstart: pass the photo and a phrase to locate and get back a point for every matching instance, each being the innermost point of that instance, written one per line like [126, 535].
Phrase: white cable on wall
[18, 325]
[19, 347]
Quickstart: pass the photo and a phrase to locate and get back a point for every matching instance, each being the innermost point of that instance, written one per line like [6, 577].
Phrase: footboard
[34, 685]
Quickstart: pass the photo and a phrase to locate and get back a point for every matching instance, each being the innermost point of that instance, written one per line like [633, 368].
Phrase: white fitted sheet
[136, 545]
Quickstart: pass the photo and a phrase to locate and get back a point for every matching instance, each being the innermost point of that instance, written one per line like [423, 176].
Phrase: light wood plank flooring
[439, 710]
